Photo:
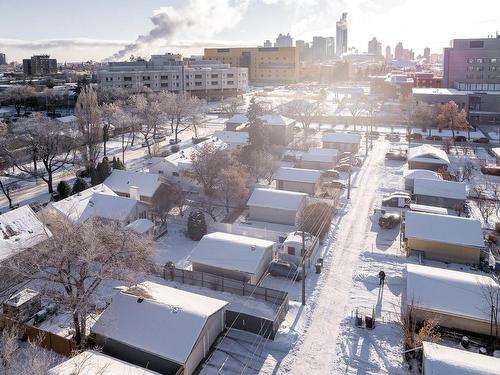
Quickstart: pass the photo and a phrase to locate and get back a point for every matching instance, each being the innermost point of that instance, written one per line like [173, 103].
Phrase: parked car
[493, 170]
[389, 220]
[392, 137]
[399, 201]
[160, 138]
[434, 138]
[334, 184]
[344, 167]
[395, 155]
[415, 136]
[173, 142]
[460, 138]
[145, 144]
[405, 193]
[331, 173]
[373, 134]
[482, 140]
[285, 269]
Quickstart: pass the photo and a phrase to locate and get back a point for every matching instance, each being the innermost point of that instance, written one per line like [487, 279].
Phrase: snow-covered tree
[88, 113]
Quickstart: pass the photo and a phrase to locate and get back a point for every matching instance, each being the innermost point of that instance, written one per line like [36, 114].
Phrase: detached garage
[319, 158]
[427, 157]
[297, 179]
[413, 174]
[276, 206]
[445, 238]
[343, 142]
[447, 194]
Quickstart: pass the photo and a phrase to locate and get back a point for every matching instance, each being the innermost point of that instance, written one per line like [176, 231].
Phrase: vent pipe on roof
[134, 193]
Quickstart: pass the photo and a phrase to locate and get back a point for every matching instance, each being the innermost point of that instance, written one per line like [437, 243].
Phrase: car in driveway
[393, 137]
[395, 200]
[389, 220]
[415, 136]
[481, 140]
[344, 167]
[493, 170]
[346, 154]
[460, 138]
[282, 268]
[434, 138]
[330, 174]
[373, 134]
[395, 155]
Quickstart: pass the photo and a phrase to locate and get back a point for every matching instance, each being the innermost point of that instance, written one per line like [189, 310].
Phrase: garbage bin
[369, 322]
[318, 267]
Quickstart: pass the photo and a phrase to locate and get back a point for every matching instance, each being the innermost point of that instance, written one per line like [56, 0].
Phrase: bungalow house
[146, 187]
[91, 362]
[455, 299]
[233, 139]
[233, 256]
[439, 359]
[343, 142]
[298, 180]
[319, 158]
[98, 202]
[280, 128]
[442, 237]
[447, 194]
[427, 157]
[412, 174]
[237, 120]
[276, 206]
[162, 328]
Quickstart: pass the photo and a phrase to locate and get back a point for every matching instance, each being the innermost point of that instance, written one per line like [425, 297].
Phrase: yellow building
[273, 65]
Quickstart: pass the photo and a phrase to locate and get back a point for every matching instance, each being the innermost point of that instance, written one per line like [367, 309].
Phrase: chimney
[134, 193]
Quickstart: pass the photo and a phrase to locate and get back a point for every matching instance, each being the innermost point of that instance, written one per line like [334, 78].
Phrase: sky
[113, 29]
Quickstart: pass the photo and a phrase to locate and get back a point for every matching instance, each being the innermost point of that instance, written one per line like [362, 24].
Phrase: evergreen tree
[119, 164]
[196, 225]
[94, 176]
[63, 189]
[79, 186]
[103, 170]
[255, 127]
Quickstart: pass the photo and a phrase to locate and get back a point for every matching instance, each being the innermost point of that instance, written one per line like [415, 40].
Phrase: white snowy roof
[341, 138]
[95, 363]
[428, 154]
[20, 229]
[413, 174]
[276, 120]
[440, 188]
[238, 119]
[440, 359]
[231, 251]
[141, 226]
[310, 176]
[448, 229]
[67, 119]
[448, 291]
[182, 159]
[430, 209]
[167, 323]
[232, 138]
[278, 199]
[98, 201]
[320, 154]
[120, 181]
[496, 152]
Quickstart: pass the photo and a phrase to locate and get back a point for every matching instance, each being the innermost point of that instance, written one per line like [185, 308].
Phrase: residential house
[235, 122]
[447, 194]
[427, 157]
[280, 129]
[234, 139]
[299, 180]
[343, 142]
[233, 256]
[412, 174]
[276, 206]
[162, 328]
[454, 299]
[443, 237]
[319, 158]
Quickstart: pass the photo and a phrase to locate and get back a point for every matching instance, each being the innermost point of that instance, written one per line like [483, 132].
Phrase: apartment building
[39, 65]
[276, 65]
[170, 72]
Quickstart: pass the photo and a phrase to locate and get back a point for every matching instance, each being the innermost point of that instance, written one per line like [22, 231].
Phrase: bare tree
[18, 95]
[303, 111]
[89, 119]
[465, 172]
[490, 292]
[232, 186]
[8, 346]
[259, 164]
[170, 195]
[484, 204]
[78, 258]
[232, 105]
[355, 107]
[124, 122]
[108, 111]
[451, 117]
[195, 113]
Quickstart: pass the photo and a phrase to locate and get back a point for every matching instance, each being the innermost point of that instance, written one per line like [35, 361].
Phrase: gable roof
[444, 291]
[440, 359]
[276, 120]
[341, 138]
[120, 181]
[440, 188]
[278, 199]
[309, 176]
[454, 230]
[182, 159]
[413, 174]
[320, 154]
[20, 229]
[428, 154]
[140, 226]
[167, 323]
[231, 251]
[233, 138]
[238, 119]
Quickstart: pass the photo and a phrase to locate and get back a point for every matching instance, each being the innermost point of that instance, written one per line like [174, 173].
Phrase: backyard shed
[159, 327]
[412, 174]
[454, 298]
[427, 157]
[445, 238]
[297, 179]
[343, 142]
[319, 158]
[276, 206]
[440, 193]
[232, 256]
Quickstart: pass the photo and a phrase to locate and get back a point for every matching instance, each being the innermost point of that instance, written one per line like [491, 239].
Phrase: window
[215, 83]
[197, 76]
[230, 82]
[479, 60]
[176, 174]
[127, 78]
[164, 77]
[476, 44]
[230, 75]
[290, 250]
[198, 83]
[146, 78]
[215, 76]
[164, 84]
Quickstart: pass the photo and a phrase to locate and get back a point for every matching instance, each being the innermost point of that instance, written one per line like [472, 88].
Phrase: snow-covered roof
[167, 323]
[413, 174]
[120, 181]
[276, 120]
[20, 229]
[95, 363]
[341, 138]
[231, 251]
[428, 154]
[496, 152]
[141, 226]
[448, 291]
[296, 238]
[320, 154]
[309, 176]
[430, 209]
[232, 138]
[98, 201]
[182, 159]
[67, 119]
[440, 359]
[238, 119]
[440, 188]
[278, 199]
[448, 229]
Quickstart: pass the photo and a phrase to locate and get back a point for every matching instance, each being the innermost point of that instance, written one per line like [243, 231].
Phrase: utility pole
[303, 268]
[349, 186]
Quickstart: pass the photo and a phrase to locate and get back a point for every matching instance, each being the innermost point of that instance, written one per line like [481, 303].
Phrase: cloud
[59, 43]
